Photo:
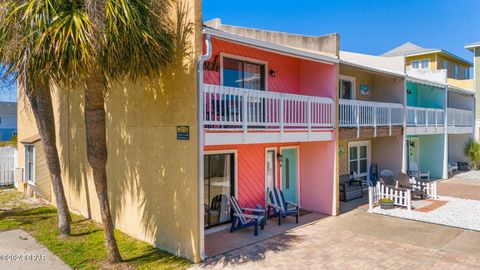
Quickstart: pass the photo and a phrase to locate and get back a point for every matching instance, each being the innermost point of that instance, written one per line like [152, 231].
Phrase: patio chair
[404, 182]
[415, 172]
[242, 220]
[374, 174]
[388, 178]
[282, 208]
[452, 166]
[350, 189]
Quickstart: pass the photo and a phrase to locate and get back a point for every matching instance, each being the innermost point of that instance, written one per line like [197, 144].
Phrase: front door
[290, 174]
[412, 145]
[218, 187]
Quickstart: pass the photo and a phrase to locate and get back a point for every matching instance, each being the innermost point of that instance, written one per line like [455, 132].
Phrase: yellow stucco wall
[152, 177]
[437, 61]
[431, 57]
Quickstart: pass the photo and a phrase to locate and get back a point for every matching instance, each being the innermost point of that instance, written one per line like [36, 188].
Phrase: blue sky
[365, 26]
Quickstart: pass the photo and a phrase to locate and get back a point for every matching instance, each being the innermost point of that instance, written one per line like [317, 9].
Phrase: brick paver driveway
[358, 240]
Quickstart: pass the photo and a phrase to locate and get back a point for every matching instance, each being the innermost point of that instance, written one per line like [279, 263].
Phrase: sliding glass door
[218, 187]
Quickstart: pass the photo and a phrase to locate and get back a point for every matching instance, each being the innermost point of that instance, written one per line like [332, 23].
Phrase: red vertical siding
[250, 171]
[286, 68]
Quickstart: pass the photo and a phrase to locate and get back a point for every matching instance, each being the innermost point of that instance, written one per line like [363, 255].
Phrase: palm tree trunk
[95, 127]
[41, 102]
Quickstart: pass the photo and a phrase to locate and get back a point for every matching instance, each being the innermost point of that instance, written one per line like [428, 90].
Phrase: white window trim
[246, 59]
[353, 81]
[420, 62]
[298, 170]
[267, 149]
[369, 161]
[33, 181]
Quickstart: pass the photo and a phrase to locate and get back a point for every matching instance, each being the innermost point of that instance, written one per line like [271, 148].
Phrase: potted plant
[386, 203]
[472, 151]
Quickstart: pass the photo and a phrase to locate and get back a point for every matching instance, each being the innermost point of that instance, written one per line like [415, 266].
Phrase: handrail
[238, 108]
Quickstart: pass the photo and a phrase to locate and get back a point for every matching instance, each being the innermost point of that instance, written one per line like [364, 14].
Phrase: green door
[412, 144]
[290, 174]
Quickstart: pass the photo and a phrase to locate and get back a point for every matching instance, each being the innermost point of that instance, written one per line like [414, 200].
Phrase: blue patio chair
[280, 207]
[242, 220]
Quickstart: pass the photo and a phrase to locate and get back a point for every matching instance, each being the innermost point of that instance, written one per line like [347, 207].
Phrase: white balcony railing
[355, 113]
[459, 118]
[236, 108]
[425, 117]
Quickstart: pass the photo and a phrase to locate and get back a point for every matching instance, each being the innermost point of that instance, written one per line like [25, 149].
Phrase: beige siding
[42, 175]
[383, 88]
[451, 67]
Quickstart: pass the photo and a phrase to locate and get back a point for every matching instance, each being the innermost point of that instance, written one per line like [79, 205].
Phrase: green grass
[84, 249]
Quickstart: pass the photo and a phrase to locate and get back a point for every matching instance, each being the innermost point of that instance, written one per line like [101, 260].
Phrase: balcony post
[357, 118]
[282, 112]
[389, 120]
[309, 115]
[244, 112]
[415, 121]
[374, 120]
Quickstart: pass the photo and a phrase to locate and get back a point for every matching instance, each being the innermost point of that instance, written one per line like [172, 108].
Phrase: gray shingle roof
[408, 48]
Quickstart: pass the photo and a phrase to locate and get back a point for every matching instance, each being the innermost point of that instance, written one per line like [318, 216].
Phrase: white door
[270, 171]
[359, 159]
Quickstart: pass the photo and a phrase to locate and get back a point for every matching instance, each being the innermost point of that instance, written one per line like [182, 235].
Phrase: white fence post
[370, 198]
[409, 199]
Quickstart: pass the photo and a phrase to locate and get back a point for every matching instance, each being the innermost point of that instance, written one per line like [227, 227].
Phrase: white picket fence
[400, 197]
[7, 166]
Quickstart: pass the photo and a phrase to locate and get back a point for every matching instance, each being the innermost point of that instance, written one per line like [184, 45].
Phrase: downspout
[200, 135]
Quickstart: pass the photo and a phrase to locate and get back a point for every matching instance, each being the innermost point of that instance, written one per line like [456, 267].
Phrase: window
[30, 163]
[218, 187]
[445, 64]
[359, 159]
[420, 64]
[1, 136]
[455, 69]
[466, 73]
[243, 74]
[347, 87]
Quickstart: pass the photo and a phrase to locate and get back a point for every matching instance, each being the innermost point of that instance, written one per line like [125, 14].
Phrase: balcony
[459, 121]
[367, 114]
[425, 121]
[236, 116]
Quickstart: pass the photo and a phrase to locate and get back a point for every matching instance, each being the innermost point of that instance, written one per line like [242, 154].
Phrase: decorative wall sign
[183, 133]
[364, 89]
[341, 150]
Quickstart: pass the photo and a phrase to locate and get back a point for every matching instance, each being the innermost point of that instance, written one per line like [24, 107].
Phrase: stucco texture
[152, 177]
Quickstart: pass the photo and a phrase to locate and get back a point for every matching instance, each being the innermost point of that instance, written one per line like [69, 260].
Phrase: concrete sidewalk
[20, 251]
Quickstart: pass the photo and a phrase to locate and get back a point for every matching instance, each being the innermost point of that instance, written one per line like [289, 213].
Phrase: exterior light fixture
[273, 74]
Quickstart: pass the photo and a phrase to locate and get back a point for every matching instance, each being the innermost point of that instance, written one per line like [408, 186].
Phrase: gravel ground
[460, 213]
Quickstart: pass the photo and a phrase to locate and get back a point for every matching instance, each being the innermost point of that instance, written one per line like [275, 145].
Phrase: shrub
[472, 151]
[386, 200]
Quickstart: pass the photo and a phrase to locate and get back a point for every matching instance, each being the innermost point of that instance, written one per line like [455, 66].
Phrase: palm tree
[96, 43]
[21, 25]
